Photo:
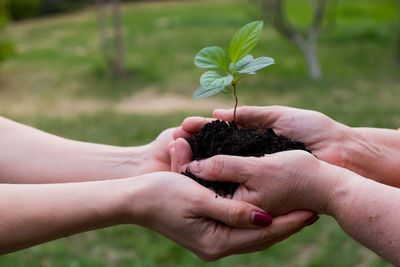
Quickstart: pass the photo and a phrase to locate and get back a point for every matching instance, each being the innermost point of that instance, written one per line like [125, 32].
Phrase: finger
[193, 125]
[265, 245]
[181, 155]
[301, 219]
[252, 116]
[180, 133]
[233, 212]
[165, 136]
[281, 228]
[226, 168]
[170, 145]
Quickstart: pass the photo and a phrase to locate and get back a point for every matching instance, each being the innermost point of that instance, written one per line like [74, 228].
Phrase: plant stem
[234, 90]
[236, 101]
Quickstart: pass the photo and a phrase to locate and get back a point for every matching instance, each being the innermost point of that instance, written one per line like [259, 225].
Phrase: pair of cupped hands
[279, 194]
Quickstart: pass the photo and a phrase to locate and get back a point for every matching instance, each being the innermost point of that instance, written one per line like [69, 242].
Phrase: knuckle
[253, 166]
[245, 109]
[207, 258]
[247, 168]
[305, 158]
[235, 213]
[268, 235]
[204, 257]
[218, 165]
[209, 253]
[271, 162]
[196, 200]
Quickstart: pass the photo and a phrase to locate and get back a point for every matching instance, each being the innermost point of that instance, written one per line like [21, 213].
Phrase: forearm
[45, 158]
[33, 214]
[369, 212]
[373, 153]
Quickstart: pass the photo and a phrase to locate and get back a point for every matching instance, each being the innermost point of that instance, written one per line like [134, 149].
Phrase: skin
[33, 156]
[33, 214]
[370, 152]
[292, 180]
[51, 187]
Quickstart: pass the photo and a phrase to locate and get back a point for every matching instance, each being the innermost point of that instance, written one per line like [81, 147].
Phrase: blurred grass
[58, 61]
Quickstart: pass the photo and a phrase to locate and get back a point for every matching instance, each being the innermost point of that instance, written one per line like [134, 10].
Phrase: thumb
[225, 168]
[223, 114]
[181, 154]
[252, 116]
[235, 213]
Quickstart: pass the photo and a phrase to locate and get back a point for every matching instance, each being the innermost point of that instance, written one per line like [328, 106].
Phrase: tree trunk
[102, 17]
[274, 11]
[314, 68]
[113, 49]
[118, 40]
[308, 47]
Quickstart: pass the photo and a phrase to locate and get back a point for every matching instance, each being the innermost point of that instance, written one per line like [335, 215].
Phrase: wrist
[134, 206]
[116, 200]
[358, 152]
[346, 138]
[342, 190]
[123, 162]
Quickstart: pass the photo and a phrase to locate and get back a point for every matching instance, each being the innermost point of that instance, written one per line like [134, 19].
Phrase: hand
[322, 135]
[279, 183]
[191, 215]
[156, 154]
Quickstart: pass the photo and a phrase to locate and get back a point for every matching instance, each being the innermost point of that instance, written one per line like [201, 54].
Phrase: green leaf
[243, 62]
[212, 79]
[227, 90]
[202, 92]
[255, 65]
[245, 40]
[212, 57]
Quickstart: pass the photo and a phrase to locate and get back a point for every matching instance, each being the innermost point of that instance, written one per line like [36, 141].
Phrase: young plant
[242, 63]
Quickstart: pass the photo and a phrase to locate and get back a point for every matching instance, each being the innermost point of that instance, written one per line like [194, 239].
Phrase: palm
[159, 159]
[318, 132]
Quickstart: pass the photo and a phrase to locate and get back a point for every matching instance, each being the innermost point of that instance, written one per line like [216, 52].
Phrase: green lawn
[57, 66]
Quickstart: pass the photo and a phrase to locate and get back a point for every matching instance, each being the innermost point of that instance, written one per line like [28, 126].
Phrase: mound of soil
[220, 137]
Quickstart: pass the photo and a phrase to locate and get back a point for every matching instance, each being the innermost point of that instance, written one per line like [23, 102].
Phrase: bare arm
[28, 155]
[373, 153]
[369, 212]
[33, 214]
[168, 203]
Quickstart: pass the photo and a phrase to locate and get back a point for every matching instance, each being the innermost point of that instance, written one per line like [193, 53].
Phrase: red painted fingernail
[260, 218]
[311, 220]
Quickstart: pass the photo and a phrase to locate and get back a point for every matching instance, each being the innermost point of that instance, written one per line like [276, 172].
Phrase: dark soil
[220, 137]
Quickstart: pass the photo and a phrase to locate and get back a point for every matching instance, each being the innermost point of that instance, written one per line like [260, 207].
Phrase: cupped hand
[322, 135]
[279, 183]
[211, 227]
[155, 155]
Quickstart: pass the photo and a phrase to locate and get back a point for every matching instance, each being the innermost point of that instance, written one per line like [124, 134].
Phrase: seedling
[240, 65]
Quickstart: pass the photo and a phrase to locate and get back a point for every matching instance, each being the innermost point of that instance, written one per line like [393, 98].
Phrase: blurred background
[120, 72]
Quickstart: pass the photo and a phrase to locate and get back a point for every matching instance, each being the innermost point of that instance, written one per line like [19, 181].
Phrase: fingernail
[260, 218]
[312, 219]
[196, 166]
